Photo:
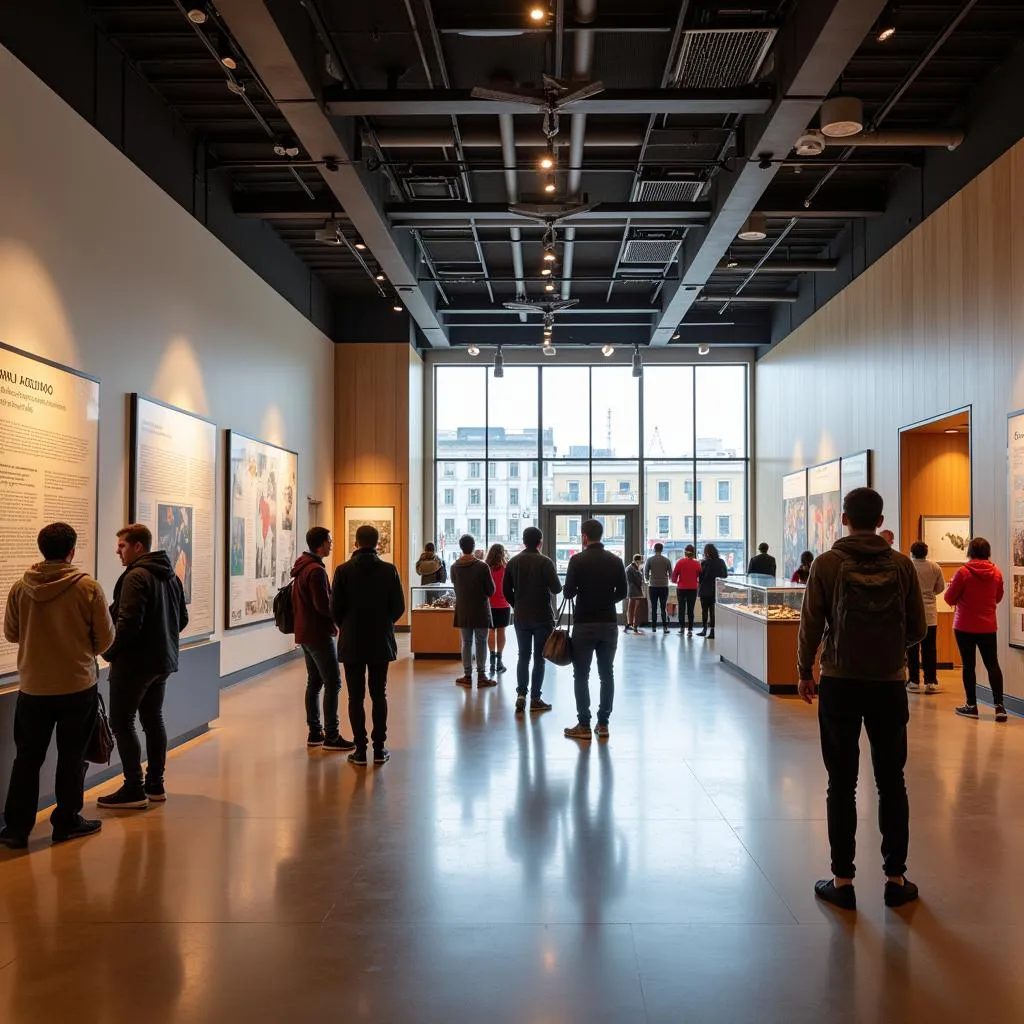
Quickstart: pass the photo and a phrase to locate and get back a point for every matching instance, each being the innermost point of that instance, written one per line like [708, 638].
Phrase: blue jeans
[588, 639]
[469, 637]
[531, 637]
[322, 673]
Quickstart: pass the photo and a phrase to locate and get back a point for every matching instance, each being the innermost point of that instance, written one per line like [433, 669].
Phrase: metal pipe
[948, 139]
[508, 156]
[730, 300]
[738, 297]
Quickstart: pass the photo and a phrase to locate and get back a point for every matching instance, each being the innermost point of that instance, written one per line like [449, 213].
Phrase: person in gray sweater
[657, 572]
[473, 585]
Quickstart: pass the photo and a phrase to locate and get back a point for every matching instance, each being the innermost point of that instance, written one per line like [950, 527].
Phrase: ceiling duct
[721, 58]
[652, 246]
[669, 190]
[433, 187]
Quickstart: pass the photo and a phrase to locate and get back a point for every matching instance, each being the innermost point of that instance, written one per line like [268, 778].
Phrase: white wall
[102, 271]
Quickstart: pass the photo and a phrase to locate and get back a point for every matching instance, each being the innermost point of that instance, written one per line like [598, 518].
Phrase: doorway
[935, 503]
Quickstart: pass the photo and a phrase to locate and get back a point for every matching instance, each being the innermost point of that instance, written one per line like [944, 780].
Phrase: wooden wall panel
[936, 324]
[935, 480]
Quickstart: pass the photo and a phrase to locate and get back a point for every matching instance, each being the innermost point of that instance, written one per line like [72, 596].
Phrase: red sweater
[311, 601]
[498, 597]
[974, 592]
[684, 575]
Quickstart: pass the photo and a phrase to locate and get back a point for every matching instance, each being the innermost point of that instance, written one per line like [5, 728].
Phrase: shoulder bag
[558, 646]
[101, 742]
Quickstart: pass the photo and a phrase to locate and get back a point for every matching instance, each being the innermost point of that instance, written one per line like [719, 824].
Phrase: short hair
[806, 557]
[367, 536]
[763, 548]
[593, 530]
[532, 537]
[317, 537]
[137, 533]
[863, 508]
[57, 541]
[638, 557]
[689, 550]
[466, 543]
[429, 547]
[919, 549]
[658, 548]
[979, 548]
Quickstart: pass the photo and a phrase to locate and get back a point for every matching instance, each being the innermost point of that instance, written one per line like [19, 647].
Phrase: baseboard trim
[1015, 705]
[243, 675]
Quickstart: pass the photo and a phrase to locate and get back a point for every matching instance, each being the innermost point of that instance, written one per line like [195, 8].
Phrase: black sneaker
[627, 629]
[12, 840]
[666, 631]
[703, 632]
[539, 705]
[82, 828]
[125, 799]
[381, 756]
[500, 665]
[711, 634]
[520, 704]
[842, 896]
[339, 743]
[1000, 713]
[897, 895]
[156, 792]
[358, 758]
[315, 738]
[967, 710]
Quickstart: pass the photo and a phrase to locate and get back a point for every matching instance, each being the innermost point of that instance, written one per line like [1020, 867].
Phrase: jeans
[707, 613]
[659, 599]
[35, 717]
[142, 695]
[531, 637]
[469, 637]
[355, 676]
[986, 643]
[924, 651]
[843, 706]
[588, 639]
[687, 605]
[322, 673]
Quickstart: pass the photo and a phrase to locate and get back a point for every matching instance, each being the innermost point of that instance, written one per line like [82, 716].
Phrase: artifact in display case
[777, 602]
[431, 622]
[434, 597]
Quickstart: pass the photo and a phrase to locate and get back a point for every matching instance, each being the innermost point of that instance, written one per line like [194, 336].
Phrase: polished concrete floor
[496, 871]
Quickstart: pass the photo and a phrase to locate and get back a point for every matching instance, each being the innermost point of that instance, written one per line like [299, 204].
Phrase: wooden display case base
[762, 651]
[433, 635]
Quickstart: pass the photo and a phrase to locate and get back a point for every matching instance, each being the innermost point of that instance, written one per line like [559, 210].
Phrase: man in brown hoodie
[57, 615]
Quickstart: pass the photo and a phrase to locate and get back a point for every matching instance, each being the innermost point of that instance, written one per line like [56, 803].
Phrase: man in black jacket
[529, 584]
[762, 564]
[366, 601]
[596, 579]
[149, 614]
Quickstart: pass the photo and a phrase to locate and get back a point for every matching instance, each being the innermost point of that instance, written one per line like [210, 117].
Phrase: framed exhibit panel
[49, 465]
[261, 524]
[382, 517]
[824, 507]
[947, 537]
[794, 520]
[854, 471]
[1015, 489]
[172, 489]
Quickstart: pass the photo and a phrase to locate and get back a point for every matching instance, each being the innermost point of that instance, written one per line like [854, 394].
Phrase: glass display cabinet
[431, 614]
[775, 601]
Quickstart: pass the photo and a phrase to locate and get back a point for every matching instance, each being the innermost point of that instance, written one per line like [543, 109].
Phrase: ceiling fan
[548, 309]
[551, 214]
[553, 95]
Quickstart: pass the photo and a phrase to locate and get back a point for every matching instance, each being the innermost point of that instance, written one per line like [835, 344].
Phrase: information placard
[824, 507]
[1015, 488]
[794, 520]
[173, 491]
[262, 482]
[49, 451]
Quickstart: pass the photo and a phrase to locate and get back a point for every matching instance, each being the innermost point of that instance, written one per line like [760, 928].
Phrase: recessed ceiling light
[226, 55]
[607, 350]
[703, 349]
[545, 271]
[197, 14]
[549, 187]
[549, 287]
[732, 263]
[546, 163]
[886, 32]
[675, 337]
[473, 350]
[360, 244]
[381, 277]
[951, 430]
[549, 256]
[398, 307]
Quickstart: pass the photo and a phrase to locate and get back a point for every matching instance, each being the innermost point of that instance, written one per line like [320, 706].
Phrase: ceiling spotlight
[549, 187]
[473, 350]
[286, 147]
[549, 256]
[225, 54]
[359, 244]
[841, 117]
[545, 271]
[675, 337]
[197, 14]
[703, 349]
[886, 32]
[329, 234]
[951, 430]
[537, 13]
[754, 229]
[381, 277]
[607, 350]
[547, 162]
[549, 287]
[638, 366]
[499, 363]
[811, 143]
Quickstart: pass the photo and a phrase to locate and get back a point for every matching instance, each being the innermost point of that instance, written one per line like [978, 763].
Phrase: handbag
[101, 743]
[558, 646]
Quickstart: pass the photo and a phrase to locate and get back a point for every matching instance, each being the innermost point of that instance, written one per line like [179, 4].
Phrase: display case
[756, 629]
[431, 618]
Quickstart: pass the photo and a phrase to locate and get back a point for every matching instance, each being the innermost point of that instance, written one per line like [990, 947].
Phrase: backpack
[284, 612]
[869, 617]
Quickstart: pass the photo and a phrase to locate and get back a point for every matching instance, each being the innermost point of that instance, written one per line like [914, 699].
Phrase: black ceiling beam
[486, 23]
[439, 214]
[342, 102]
[727, 335]
[843, 203]
[811, 52]
[293, 205]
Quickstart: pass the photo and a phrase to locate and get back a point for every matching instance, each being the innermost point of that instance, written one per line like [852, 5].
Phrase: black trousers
[355, 677]
[687, 605]
[659, 599]
[144, 696]
[844, 705]
[986, 644]
[73, 715]
[925, 652]
[707, 613]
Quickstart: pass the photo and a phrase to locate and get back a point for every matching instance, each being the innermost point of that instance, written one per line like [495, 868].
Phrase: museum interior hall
[273, 271]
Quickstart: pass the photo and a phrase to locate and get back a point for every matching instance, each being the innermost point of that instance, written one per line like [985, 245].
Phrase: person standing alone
[932, 583]
[657, 571]
[473, 585]
[366, 601]
[149, 614]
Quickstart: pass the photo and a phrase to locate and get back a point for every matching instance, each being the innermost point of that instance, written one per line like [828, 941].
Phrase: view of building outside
[570, 436]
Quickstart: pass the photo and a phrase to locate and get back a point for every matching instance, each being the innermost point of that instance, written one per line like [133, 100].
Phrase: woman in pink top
[501, 611]
[685, 576]
[974, 592]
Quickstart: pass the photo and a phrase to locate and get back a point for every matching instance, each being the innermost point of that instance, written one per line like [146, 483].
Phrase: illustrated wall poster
[794, 520]
[824, 507]
[49, 451]
[1015, 489]
[262, 485]
[855, 471]
[947, 537]
[173, 491]
[383, 518]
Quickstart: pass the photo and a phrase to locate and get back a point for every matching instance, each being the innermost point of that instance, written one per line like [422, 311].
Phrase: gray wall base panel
[243, 675]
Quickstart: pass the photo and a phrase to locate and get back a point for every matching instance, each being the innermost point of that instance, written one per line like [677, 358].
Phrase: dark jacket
[762, 565]
[530, 581]
[366, 601]
[634, 581]
[596, 580]
[149, 614]
[311, 600]
[711, 569]
[474, 585]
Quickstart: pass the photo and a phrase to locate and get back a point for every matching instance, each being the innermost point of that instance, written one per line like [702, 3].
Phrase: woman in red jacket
[685, 576]
[974, 592]
[501, 610]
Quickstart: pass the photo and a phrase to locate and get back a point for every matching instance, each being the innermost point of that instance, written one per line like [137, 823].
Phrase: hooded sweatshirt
[57, 615]
[474, 585]
[431, 569]
[974, 592]
[311, 601]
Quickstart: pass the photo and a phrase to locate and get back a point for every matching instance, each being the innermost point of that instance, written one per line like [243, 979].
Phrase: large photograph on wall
[855, 471]
[824, 507]
[262, 486]
[380, 517]
[794, 520]
[173, 491]
[49, 451]
[1015, 489]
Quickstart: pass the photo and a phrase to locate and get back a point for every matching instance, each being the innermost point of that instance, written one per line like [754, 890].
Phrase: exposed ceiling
[689, 130]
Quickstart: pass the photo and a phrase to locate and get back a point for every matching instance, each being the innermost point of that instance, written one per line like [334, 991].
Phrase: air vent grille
[433, 188]
[669, 191]
[652, 247]
[722, 58]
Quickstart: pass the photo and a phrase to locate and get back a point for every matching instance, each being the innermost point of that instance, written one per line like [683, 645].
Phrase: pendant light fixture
[499, 363]
[638, 366]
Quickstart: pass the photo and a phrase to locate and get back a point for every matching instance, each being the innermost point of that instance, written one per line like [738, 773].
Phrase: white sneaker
[913, 687]
[931, 687]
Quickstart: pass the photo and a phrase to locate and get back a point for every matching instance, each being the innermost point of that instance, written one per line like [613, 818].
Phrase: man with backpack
[863, 605]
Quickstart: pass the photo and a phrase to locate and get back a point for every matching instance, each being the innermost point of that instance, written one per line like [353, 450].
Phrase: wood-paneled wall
[936, 324]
